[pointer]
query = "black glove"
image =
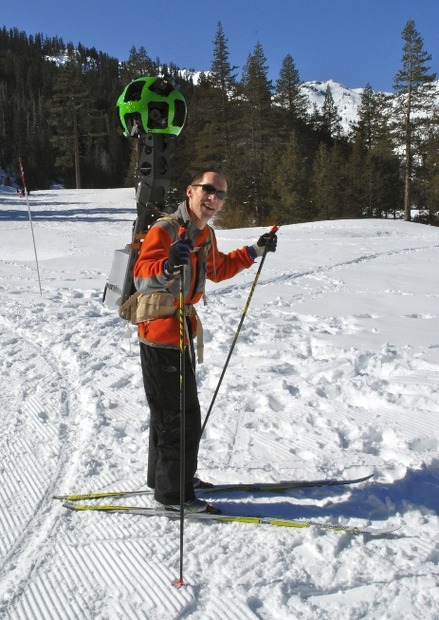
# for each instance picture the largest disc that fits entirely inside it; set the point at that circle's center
(268, 242)
(178, 255)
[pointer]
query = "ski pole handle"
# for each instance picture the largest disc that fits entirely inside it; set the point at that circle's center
(272, 232)
(178, 252)
(182, 230)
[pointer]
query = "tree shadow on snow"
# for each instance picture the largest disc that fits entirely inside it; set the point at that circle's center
(61, 211)
(64, 215)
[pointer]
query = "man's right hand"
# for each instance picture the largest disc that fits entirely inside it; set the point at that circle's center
(178, 255)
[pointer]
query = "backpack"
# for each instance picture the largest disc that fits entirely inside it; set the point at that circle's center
(119, 291)
(141, 307)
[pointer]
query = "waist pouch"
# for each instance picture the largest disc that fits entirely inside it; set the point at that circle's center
(141, 307)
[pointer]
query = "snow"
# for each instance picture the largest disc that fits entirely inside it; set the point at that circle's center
(346, 100)
(335, 374)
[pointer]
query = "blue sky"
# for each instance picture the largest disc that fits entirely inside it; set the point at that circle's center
(354, 42)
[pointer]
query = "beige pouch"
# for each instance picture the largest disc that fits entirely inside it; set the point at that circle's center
(155, 306)
(139, 307)
(128, 309)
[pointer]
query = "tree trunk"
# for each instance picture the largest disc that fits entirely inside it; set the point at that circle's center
(76, 150)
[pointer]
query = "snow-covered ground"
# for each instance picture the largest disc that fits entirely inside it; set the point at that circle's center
(335, 373)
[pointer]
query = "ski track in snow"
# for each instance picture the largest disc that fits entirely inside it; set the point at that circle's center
(311, 391)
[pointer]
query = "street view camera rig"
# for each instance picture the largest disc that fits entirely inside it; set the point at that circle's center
(152, 112)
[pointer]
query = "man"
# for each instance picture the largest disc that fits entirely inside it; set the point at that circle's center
(156, 277)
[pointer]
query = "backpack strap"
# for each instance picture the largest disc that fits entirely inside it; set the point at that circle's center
(191, 311)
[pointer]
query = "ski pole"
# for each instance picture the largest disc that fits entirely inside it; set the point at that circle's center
(182, 318)
(252, 290)
(30, 221)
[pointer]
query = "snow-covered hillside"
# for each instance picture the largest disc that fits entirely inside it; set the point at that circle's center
(346, 100)
(335, 374)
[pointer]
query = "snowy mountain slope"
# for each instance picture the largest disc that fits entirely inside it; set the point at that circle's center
(335, 374)
(346, 100)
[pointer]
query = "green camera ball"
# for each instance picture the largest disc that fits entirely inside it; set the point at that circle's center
(151, 105)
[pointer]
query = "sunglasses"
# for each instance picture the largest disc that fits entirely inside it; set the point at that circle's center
(210, 189)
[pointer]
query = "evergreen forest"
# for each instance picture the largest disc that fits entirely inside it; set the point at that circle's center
(284, 162)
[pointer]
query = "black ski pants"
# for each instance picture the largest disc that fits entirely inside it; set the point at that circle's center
(161, 379)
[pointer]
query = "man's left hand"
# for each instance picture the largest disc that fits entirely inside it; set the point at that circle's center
(267, 242)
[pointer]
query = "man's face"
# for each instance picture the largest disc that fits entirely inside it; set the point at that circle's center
(204, 203)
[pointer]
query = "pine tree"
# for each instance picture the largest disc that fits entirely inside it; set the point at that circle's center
(221, 71)
(139, 64)
(257, 89)
(374, 119)
(204, 130)
(329, 189)
(82, 117)
(432, 184)
(67, 118)
(358, 195)
(411, 83)
(331, 120)
(223, 79)
(291, 192)
(321, 182)
(288, 94)
(373, 183)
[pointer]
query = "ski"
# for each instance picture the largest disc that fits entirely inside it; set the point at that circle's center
(232, 518)
(259, 487)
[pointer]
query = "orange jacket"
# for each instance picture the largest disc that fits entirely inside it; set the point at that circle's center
(149, 274)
